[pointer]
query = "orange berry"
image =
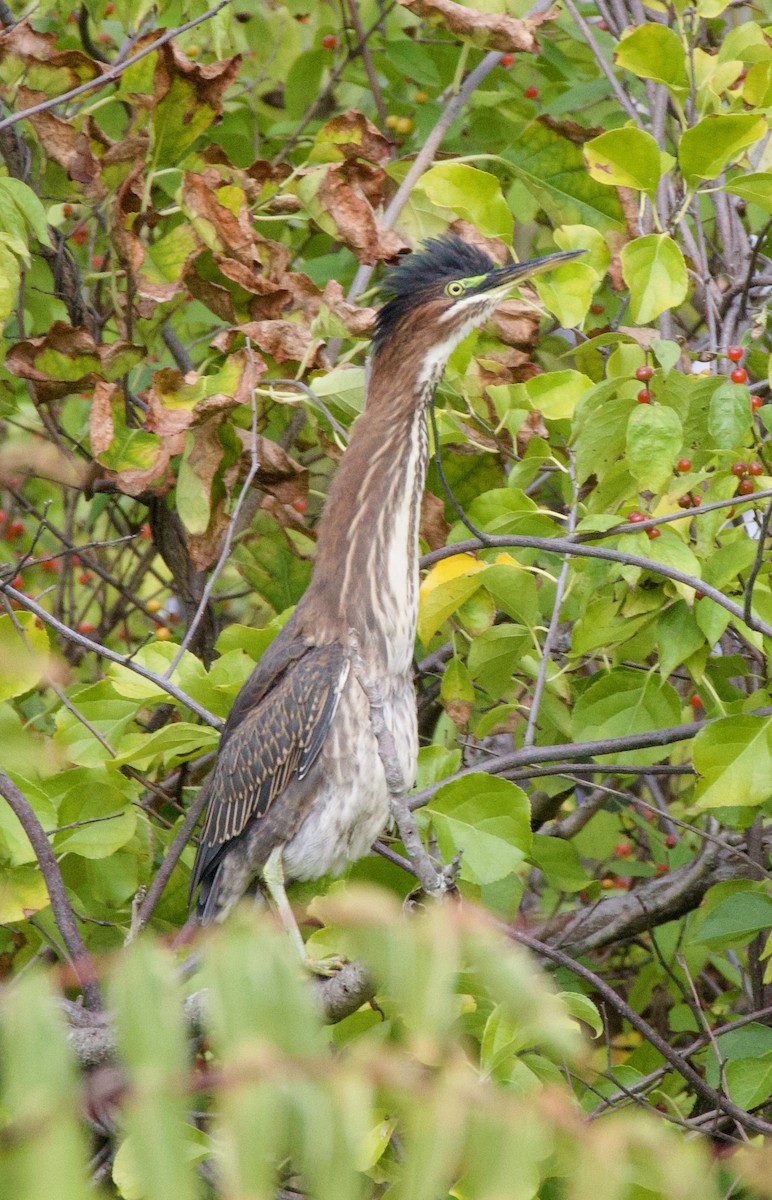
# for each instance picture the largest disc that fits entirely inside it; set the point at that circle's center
(162, 633)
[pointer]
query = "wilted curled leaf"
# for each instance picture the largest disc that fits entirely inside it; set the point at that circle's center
(357, 320)
(138, 461)
(67, 360)
(277, 474)
(351, 135)
(64, 144)
(491, 30)
(285, 341)
(45, 69)
(176, 401)
(349, 194)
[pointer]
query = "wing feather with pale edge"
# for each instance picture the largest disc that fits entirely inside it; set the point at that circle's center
(276, 740)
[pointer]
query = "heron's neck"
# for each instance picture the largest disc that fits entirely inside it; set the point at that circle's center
(366, 571)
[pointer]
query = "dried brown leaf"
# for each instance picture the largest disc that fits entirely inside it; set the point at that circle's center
(101, 427)
(494, 31)
(434, 529)
(349, 193)
(355, 137)
(285, 341)
(64, 144)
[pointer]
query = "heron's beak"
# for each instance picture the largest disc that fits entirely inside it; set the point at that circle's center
(499, 282)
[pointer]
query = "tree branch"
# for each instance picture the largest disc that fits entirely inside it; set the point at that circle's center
(57, 893)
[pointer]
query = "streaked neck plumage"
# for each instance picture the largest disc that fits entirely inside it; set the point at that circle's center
(366, 572)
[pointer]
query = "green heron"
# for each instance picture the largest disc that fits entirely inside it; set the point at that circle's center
(298, 789)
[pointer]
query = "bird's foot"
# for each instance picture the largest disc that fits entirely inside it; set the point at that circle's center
(326, 967)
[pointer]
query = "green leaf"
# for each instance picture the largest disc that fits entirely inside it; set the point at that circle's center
(10, 278)
(469, 193)
(553, 170)
(560, 862)
(567, 292)
(146, 998)
(23, 654)
(653, 268)
(555, 394)
(583, 1009)
(654, 438)
(654, 51)
(715, 142)
(734, 758)
(488, 819)
(584, 237)
(44, 1151)
(102, 817)
(494, 657)
(17, 196)
(23, 892)
(749, 1080)
(736, 919)
(730, 416)
(622, 702)
(625, 158)
(444, 590)
(666, 353)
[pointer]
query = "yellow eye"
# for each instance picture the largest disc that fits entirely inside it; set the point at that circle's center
(455, 289)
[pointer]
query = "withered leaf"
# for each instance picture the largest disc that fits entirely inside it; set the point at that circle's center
(64, 144)
(67, 360)
(285, 341)
(353, 136)
(494, 31)
(349, 193)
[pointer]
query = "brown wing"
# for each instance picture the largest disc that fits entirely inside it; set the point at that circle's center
(275, 740)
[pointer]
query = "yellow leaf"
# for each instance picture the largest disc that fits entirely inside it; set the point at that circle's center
(450, 568)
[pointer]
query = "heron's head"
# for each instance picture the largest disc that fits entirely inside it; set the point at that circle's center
(442, 292)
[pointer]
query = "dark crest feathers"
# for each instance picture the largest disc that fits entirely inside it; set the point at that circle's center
(420, 273)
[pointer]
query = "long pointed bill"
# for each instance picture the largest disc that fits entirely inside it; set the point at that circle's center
(500, 281)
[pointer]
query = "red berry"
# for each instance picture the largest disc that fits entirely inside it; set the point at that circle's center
(86, 627)
(644, 396)
(739, 469)
(79, 236)
(635, 517)
(662, 868)
(699, 595)
(696, 701)
(17, 581)
(15, 528)
(686, 501)
(739, 375)
(684, 464)
(300, 505)
(746, 487)
(671, 840)
(3, 516)
(51, 565)
(653, 533)
(531, 93)
(644, 374)
(696, 501)
(622, 850)
(597, 309)
(84, 577)
(145, 532)
(507, 60)
(67, 210)
(756, 402)
(735, 353)
(329, 41)
(755, 468)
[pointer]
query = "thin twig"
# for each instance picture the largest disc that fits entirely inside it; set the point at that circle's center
(676, 1060)
(163, 874)
(560, 585)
